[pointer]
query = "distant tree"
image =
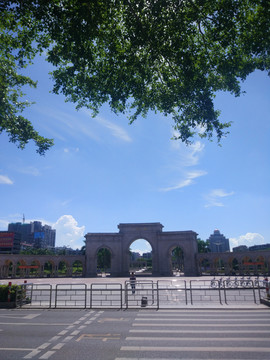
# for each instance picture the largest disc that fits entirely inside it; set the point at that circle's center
(37, 252)
(203, 246)
(104, 259)
(168, 56)
(83, 248)
(178, 257)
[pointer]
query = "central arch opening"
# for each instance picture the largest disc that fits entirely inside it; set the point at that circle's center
(140, 257)
(177, 261)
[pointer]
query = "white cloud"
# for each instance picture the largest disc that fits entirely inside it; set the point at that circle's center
(3, 224)
(249, 239)
(188, 180)
(188, 155)
(29, 170)
(194, 153)
(68, 124)
(184, 157)
(214, 197)
(139, 251)
(68, 233)
(71, 150)
(5, 180)
(116, 130)
(81, 125)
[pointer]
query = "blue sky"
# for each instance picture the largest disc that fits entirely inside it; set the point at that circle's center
(103, 171)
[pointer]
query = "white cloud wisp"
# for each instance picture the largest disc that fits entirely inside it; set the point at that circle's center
(189, 177)
(186, 157)
(214, 197)
(5, 180)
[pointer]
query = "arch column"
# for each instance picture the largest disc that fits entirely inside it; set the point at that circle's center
(91, 265)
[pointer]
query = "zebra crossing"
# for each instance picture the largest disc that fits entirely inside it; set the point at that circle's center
(197, 335)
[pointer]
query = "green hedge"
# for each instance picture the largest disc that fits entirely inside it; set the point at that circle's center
(4, 292)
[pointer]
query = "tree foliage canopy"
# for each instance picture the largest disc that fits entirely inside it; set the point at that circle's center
(203, 246)
(169, 56)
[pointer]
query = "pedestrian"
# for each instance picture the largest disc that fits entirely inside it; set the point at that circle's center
(132, 282)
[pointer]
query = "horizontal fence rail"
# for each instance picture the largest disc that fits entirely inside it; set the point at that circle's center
(149, 294)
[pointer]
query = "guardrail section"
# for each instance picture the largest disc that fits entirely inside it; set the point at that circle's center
(71, 295)
(201, 291)
(141, 294)
(172, 293)
(106, 295)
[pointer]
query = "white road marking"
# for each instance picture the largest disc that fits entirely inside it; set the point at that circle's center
(34, 324)
(63, 332)
(29, 316)
(66, 339)
(192, 339)
(184, 331)
(55, 338)
(16, 349)
(43, 346)
(47, 355)
(76, 332)
(58, 346)
(203, 325)
(209, 320)
(199, 315)
(166, 359)
(32, 354)
(194, 349)
(220, 311)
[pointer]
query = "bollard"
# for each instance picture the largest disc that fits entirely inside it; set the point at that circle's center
(266, 284)
(9, 290)
(144, 301)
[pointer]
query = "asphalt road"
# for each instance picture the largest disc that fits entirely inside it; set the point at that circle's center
(135, 334)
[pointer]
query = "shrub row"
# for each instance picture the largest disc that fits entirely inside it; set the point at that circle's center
(4, 292)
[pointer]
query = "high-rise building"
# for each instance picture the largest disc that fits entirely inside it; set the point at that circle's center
(35, 234)
(218, 242)
(9, 242)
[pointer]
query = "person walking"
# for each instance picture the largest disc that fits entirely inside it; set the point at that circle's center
(133, 282)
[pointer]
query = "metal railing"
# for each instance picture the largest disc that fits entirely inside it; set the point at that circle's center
(148, 294)
(106, 295)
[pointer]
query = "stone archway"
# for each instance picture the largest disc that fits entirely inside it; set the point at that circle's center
(161, 243)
